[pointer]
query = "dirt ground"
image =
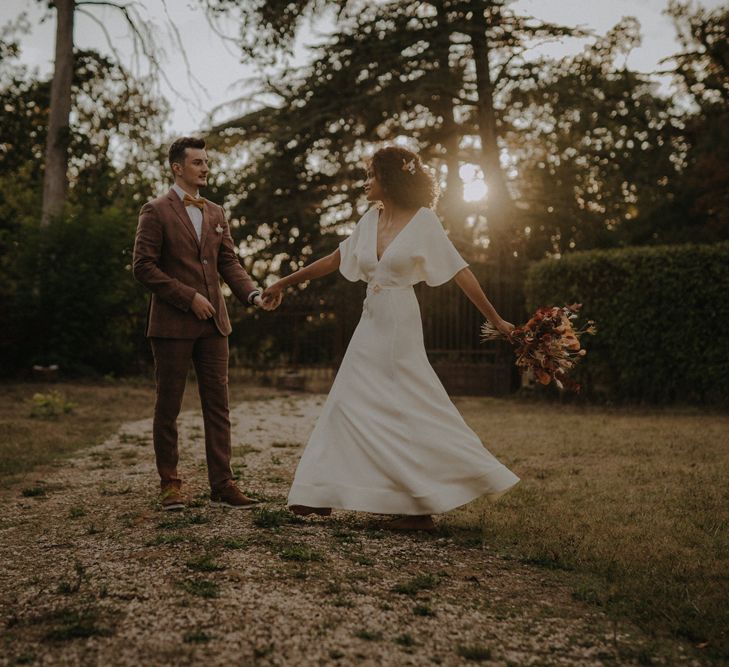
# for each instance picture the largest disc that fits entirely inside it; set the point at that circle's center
(94, 573)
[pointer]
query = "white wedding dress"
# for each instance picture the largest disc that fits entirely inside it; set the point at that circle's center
(389, 440)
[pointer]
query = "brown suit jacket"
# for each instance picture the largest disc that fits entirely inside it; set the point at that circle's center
(174, 265)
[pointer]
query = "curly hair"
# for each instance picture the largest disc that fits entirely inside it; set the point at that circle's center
(404, 178)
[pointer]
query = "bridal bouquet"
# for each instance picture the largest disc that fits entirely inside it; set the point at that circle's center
(548, 343)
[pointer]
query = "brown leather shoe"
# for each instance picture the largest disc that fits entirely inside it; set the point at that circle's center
(305, 510)
(170, 498)
(231, 496)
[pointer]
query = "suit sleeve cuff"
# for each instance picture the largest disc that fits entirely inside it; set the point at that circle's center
(253, 295)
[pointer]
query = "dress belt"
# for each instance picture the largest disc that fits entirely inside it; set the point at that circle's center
(375, 288)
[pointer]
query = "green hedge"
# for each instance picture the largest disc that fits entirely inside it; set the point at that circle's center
(662, 314)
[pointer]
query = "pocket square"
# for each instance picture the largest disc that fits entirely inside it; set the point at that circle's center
(219, 229)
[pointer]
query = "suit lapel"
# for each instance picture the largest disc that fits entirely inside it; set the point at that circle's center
(178, 208)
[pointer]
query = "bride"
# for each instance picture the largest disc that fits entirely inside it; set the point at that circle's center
(389, 440)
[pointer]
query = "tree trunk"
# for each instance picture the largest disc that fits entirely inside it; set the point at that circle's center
(500, 208)
(452, 200)
(55, 177)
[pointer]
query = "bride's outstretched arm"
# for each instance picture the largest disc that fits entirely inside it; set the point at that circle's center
(469, 284)
(321, 267)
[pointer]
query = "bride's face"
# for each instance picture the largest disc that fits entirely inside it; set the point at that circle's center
(373, 188)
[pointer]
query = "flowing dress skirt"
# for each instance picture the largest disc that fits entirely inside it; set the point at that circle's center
(389, 440)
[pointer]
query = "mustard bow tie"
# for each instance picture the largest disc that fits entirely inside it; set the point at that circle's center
(187, 200)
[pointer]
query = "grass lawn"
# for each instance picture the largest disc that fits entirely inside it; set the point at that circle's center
(28, 442)
(631, 503)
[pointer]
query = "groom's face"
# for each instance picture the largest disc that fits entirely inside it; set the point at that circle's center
(194, 168)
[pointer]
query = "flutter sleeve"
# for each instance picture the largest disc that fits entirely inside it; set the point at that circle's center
(439, 260)
(349, 252)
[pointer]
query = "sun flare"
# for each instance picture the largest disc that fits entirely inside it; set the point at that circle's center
(474, 191)
(474, 186)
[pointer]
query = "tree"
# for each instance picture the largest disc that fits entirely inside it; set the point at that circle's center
(595, 146)
(55, 181)
(86, 312)
(702, 67)
(433, 71)
(701, 71)
(579, 152)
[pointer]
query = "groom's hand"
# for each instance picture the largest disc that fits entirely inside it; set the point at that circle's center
(202, 308)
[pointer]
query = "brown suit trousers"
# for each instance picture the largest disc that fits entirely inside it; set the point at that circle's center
(209, 354)
(171, 261)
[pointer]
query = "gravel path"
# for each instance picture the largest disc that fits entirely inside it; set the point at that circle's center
(94, 573)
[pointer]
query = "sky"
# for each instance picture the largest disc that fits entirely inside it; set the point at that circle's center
(216, 65)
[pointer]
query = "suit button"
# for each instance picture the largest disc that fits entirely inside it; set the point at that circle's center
(205, 261)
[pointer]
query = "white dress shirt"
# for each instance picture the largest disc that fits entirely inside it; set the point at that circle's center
(193, 212)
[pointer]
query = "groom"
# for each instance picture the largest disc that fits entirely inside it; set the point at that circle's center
(181, 249)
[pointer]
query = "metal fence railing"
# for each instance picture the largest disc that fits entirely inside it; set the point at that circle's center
(300, 345)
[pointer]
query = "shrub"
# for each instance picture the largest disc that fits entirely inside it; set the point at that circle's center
(50, 405)
(74, 301)
(661, 313)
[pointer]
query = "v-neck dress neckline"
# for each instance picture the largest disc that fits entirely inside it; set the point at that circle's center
(397, 236)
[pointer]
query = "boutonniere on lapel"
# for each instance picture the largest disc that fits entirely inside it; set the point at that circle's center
(219, 229)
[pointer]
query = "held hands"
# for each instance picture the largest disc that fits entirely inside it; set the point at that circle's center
(272, 296)
(268, 303)
(202, 308)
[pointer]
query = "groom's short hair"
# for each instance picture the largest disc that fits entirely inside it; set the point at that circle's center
(178, 147)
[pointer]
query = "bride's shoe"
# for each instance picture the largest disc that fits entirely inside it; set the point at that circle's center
(424, 522)
(305, 510)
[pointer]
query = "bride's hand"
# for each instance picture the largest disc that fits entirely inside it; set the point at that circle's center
(504, 327)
